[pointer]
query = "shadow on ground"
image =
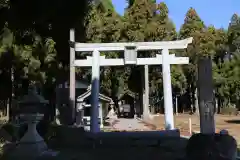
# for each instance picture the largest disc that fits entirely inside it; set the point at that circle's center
(76, 144)
(235, 121)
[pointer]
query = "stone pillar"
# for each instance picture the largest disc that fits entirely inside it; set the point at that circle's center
(167, 90)
(206, 96)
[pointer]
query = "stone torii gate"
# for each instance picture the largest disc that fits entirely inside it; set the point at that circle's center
(130, 58)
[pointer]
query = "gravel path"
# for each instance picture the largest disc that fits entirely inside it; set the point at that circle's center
(130, 125)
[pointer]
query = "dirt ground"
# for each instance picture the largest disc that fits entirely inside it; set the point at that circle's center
(230, 123)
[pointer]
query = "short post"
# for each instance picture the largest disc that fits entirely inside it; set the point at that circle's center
(94, 122)
(167, 90)
(101, 115)
(79, 116)
(190, 125)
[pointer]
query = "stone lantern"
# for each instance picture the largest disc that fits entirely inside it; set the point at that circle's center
(31, 112)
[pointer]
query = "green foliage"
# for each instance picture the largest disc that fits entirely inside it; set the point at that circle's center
(105, 26)
(179, 81)
(34, 45)
(106, 5)
(136, 20)
(145, 20)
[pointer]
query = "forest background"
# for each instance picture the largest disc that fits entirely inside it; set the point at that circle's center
(34, 48)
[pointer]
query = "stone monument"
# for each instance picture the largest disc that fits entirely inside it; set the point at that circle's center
(209, 145)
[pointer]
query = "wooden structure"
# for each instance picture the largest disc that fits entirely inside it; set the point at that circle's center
(62, 100)
(84, 108)
(127, 104)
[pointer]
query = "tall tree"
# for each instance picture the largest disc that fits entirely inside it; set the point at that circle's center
(193, 27)
(234, 34)
(105, 26)
(136, 20)
(35, 40)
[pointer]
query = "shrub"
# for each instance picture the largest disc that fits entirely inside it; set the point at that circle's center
(229, 110)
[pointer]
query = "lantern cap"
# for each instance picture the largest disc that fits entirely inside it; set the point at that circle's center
(32, 97)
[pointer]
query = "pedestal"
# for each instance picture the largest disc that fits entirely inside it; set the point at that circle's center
(31, 144)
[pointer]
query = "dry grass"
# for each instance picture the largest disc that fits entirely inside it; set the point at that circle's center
(230, 123)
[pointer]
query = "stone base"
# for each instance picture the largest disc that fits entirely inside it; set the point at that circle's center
(28, 150)
(13, 152)
(48, 155)
(211, 146)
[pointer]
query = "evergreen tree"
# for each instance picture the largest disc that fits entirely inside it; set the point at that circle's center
(105, 26)
(193, 27)
(34, 43)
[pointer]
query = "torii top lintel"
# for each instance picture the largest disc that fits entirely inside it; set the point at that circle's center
(157, 45)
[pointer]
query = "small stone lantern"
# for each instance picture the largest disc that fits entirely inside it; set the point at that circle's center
(31, 112)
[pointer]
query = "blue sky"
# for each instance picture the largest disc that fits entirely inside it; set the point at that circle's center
(215, 12)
